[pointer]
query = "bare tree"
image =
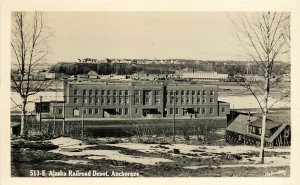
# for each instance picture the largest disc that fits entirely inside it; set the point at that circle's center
(29, 38)
(265, 39)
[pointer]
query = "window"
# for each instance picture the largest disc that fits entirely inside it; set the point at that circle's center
(211, 100)
(193, 93)
(96, 92)
(177, 100)
(59, 111)
(120, 111)
(147, 93)
(182, 92)
(75, 100)
(203, 100)
(198, 92)
(203, 110)
(126, 92)
(97, 100)
(102, 100)
(198, 111)
(223, 109)
(136, 93)
(108, 100)
(136, 110)
(188, 100)
(121, 100)
(84, 100)
(198, 100)
(108, 92)
(126, 111)
(75, 92)
(120, 92)
(114, 100)
(177, 92)
(96, 111)
(171, 100)
(75, 112)
(126, 100)
(171, 110)
(84, 111)
(212, 92)
(176, 111)
(157, 100)
(211, 110)
(157, 92)
(115, 92)
(182, 100)
(90, 100)
(136, 100)
(90, 92)
(171, 93)
(102, 92)
(90, 111)
(187, 92)
(253, 129)
(147, 100)
(203, 92)
(84, 92)
(259, 130)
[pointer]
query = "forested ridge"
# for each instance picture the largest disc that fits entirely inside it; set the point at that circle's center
(128, 69)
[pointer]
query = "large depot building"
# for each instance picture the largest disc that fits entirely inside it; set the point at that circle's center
(103, 100)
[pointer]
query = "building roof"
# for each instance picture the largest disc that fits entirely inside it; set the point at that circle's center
(269, 125)
(92, 73)
(239, 125)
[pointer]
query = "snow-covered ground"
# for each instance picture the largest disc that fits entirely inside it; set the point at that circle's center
(68, 143)
(190, 151)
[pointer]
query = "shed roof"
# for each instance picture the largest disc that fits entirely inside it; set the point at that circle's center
(269, 125)
(239, 125)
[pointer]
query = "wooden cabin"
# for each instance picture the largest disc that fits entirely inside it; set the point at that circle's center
(246, 130)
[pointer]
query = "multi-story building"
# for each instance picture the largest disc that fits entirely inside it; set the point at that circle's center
(103, 100)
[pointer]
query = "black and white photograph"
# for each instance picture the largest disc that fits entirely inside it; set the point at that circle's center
(134, 94)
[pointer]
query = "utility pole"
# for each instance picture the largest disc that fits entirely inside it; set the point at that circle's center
(54, 113)
(63, 124)
(82, 121)
(174, 117)
(40, 113)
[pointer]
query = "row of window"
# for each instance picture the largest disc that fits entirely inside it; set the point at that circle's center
(146, 100)
(119, 111)
(103, 100)
(196, 110)
(190, 100)
(103, 92)
(188, 92)
(138, 92)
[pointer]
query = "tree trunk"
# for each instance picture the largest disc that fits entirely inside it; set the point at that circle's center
(264, 116)
(23, 115)
(262, 142)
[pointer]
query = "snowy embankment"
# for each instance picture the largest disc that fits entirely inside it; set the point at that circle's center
(67, 144)
(72, 147)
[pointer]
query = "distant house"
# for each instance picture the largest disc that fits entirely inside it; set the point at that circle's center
(92, 74)
(247, 130)
(39, 77)
(50, 76)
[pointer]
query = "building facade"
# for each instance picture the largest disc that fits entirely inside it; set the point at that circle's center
(96, 100)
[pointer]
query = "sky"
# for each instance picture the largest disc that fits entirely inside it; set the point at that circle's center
(160, 35)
